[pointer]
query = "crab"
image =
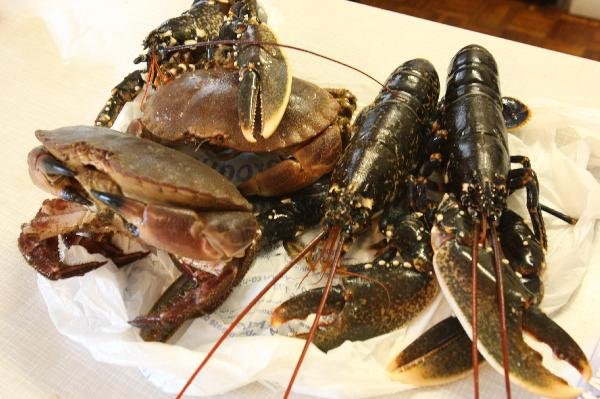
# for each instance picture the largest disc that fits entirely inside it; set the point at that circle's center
(197, 111)
(112, 183)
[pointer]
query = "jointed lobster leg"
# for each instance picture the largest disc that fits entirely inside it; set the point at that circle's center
(121, 94)
(526, 177)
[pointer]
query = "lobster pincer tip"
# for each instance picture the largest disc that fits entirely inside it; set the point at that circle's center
(439, 356)
(302, 305)
(526, 368)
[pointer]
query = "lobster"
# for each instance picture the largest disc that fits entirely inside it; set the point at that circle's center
(371, 173)
(473, 142)
(264, 75)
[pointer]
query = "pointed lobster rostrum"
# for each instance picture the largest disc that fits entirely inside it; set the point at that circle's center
(442, 354)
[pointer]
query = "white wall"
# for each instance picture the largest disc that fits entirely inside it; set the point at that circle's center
(587, 8)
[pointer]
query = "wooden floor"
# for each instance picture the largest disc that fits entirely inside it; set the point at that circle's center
(524, 21)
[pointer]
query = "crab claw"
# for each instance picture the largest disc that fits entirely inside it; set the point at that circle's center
(191, 296)
(265, 83)
(373, 299)
(211, 236)
(59, 220)
(452, 263)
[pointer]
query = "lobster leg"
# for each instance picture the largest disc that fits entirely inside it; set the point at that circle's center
(122, 93)
(526, 177)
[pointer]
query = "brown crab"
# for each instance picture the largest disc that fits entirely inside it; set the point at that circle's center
(199, 110)
(110, 183)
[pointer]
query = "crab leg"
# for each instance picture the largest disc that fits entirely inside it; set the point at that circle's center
(189, 297)
(39, 240)
(51, 175)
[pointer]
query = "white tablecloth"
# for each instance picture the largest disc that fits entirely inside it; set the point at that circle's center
(47, 83)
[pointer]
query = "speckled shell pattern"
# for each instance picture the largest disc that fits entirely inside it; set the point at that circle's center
(385, 147)
(478, 158)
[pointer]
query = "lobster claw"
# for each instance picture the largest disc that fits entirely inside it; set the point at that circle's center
(265, 77)
(373, 299)
(265, 83)
(452, 263)
(441, 355)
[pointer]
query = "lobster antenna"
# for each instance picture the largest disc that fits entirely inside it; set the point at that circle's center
(501, 309)
(149, 79)
(247, 309)
(265, 43)
(313, 328)
(474, 352)
(329, 247)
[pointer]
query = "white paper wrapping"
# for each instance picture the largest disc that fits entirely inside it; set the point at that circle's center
(93, 310)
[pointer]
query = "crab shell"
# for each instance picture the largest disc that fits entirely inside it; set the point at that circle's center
(201, 107)
(175, 202)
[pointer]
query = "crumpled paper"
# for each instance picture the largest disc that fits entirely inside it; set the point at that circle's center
(562, 142)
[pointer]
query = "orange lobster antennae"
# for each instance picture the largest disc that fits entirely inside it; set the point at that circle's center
(153, 71)
(247, 309)
(149, 80)
(344, 272)
(474, 352)
(501, 308)
(315, 324)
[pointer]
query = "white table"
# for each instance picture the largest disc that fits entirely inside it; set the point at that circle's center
(40, 91)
